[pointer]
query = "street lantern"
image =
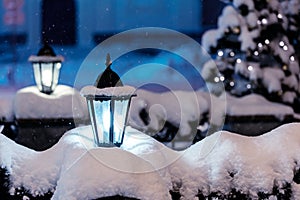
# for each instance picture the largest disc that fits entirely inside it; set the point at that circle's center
(108, 106)
(46, 68)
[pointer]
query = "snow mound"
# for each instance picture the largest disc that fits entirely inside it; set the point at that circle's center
(75, 169)
(256, 105)
(247, 164)
(145, 169)
(64, 102)
(177, 107)
(119, 174)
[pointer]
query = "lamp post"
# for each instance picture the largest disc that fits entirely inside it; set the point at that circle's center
(108, 106)
(46, 67)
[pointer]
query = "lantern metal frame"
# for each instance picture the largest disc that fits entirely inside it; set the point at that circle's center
(110, 137)
(46, 68)
(40, 76)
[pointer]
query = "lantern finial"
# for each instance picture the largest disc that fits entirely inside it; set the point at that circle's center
(108, 60)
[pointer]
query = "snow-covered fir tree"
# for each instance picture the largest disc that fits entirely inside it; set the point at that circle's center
(253, 50)
(291, 9)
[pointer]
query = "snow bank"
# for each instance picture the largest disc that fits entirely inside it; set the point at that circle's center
(256, 105)
(75, 169)
(177, 107)
(37, 172)
(64, 102)
(219, 163)
(121, 173)
(247, 164)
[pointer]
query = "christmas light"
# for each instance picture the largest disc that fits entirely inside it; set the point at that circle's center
(258, 22)
(292, 58)
(267, 41)
(248, 86)
(284, 67)
(231, 83)
(236, 30)
(256, 53)
(264, 21)
(285, 47)
(217, 79)
(220, 53)
(222, 78)
(279, 16)
(260, 45)
(250, 68)
(281, 43)
(238, 60)
(232, 54)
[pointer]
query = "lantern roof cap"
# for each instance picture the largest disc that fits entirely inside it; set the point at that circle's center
(46, 54)
(46, 50)
(109, 91)
(108, 78)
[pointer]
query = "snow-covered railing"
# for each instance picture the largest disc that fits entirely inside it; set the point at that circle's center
(223, 165)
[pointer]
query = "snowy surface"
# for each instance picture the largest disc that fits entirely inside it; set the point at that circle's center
(180, 108)
(253, 105)
(110, 91)
(75, 169)
(78, 170)
(6, 106)
(256, 164)
(64, 102)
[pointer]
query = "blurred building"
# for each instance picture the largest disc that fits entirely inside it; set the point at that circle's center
(74, 27)
(82, 22)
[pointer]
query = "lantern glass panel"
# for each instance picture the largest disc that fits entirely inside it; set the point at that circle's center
(102, 114)
(37, 75)
(56, 71)
(46, 75)
(120, 114)
(108, 119)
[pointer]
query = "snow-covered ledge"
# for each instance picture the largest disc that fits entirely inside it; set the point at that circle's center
(256, 105)
(221, 166)
(64, 102)
(42, 119)
(254, 115)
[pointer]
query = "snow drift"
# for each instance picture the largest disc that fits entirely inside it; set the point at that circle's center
(221, 165)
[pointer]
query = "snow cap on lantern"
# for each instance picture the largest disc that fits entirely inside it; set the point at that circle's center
(46, 68)
(108, 105)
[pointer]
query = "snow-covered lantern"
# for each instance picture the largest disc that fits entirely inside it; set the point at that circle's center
(46, 68)
(108, 105)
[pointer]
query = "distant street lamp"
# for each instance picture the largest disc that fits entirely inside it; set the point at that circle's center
(108, 106)
(46, 68)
